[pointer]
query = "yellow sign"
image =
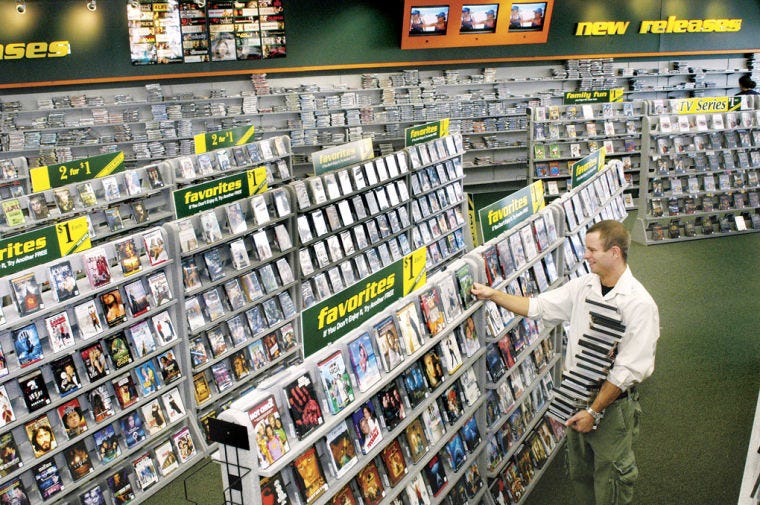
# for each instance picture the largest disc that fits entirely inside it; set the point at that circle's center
(415, 270)
(707, 104)
(658, 26)
(73, 236)
(257, 180)
(35, 50)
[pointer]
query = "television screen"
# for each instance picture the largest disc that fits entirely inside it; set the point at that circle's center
(527, 17)
(479, 18)
(429, 20)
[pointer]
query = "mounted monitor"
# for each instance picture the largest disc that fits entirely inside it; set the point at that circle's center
(428, 20)
(479, 18)
(431, 24)
(527, 17)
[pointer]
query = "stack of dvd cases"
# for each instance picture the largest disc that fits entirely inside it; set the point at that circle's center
(598, 346)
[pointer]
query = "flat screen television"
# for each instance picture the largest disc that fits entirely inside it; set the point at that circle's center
(429, 20)
(527, 17)
(479, 18)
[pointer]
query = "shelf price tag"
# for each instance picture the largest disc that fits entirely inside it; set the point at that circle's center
(587, 167)
(510, 211)
(415, 270)
(205, 142)
(43, 245)
(85, 169)
(209, 195)
(426, 132)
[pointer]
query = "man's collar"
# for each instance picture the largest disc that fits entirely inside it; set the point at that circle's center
(623, 285)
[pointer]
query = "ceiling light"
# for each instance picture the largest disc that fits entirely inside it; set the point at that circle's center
(92, 6)
(21, 6)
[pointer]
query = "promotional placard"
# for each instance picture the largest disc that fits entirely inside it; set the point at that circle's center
(426, 132)
(587, 167)
(43, 245)
(341, 156)
(510, 211)
(85, 169)
(335, 317)
(596, 96)
(205, 142)
(706, 104)
(209, 195)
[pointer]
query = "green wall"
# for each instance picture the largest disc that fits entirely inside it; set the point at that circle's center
(363, 34)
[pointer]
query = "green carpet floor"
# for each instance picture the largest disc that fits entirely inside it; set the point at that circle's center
(699, 404)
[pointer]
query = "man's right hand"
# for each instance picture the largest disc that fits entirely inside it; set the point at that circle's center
(482, 292)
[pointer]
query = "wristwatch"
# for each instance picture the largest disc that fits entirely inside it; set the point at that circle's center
(596, 415)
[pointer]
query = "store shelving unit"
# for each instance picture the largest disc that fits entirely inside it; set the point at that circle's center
(700, 176)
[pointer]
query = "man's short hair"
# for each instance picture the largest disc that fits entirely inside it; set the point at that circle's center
(612, 233)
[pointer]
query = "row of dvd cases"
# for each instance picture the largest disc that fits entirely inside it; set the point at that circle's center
(440, 398)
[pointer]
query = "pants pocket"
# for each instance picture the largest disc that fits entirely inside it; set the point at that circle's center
(636, 421)
(623, 479)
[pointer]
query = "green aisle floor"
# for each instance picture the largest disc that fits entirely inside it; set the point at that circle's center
(698, 405)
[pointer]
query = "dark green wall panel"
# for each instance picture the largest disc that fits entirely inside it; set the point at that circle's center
(357, 34)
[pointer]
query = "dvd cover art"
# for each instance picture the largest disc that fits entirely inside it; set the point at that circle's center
(433, 368)
(364, 361)
(35, 392)
(308, 475)
(78, 460)
(410, 327)
(336, 382)
(303, 405)
(271, 439)
(432, 310)
(93, 496)
(166, 459)
(391, 405)
(341, 449)
(436, 475)
(27, 293)
(41, 435)
(370, 484)
(72, 418)
(415, 384)
(367, 427)
(88, 319)
(132, 429)
(48, 480)
(100, 403)
(26, 341)
(389, 343)
(60, 334)
(63, 281)
(455, 452)
(107, 444)
(395, 465)
(120, 487)
(113, 307)
(145, 470)
(118, 348)
(416, 439)
(65, 375)
(10, 458)
(433, 421)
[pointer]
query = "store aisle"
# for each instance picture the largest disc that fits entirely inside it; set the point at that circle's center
(698, 405)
